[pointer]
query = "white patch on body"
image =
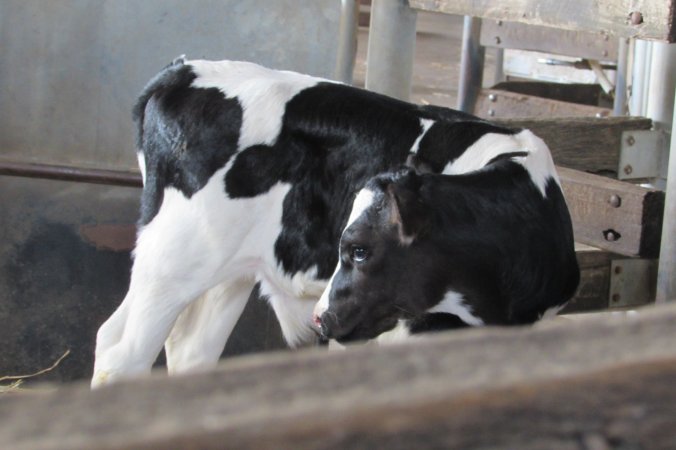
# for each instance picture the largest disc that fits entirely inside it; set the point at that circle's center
(453, 303)
(292, 299)
(538, 163)
(263, 94)
(425, 125)
(550, 313)
(201, 331)
(399, 333)
(142, 165)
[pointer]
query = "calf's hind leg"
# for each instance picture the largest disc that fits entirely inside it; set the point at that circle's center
(202, 330)
(173, 266)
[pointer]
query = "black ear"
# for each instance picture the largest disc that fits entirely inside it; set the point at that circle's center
(416, 163)
(408, 210)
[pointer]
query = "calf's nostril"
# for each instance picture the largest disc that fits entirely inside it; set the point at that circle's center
(317, 320)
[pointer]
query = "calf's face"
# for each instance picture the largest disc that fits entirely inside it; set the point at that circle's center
(381, 269)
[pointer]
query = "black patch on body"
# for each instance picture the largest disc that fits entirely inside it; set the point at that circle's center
(186, 134)
(433, 322)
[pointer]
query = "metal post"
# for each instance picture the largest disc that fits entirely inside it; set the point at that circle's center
(640, 75)
(471, 65)
(666, 272)
(620, 102)
(661, 86)
(347, 40)
(389, 61)
(499, 65)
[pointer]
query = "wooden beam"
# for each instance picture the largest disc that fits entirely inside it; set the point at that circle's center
(613, 215)
(494, 103)
(645, 19)
(523, 388)
(586, 143)
(592, 293)
(590, 45)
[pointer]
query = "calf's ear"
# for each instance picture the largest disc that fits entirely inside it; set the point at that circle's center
(407, 209)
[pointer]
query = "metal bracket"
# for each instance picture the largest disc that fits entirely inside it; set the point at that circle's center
(632, 282)
(643, 154)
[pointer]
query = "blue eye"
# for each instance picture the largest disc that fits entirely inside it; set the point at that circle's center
(358, 254)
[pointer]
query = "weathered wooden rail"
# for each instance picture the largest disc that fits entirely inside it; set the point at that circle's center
(603, 382)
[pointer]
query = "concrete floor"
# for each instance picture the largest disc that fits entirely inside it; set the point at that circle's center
(436, 62)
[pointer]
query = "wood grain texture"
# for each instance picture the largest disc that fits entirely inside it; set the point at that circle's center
(593, 292)
(584, 143)
(589, 45)
(494, 104)
(635, 225)
(608, 16)
(561, 384)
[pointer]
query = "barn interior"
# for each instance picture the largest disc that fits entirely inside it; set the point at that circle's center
(595, 80)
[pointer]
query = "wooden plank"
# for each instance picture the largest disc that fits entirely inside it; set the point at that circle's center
(590, 45)
(510, 388)
(494, 104)
(592, 293)
(589, 143)
(645, 19)
(613, 215)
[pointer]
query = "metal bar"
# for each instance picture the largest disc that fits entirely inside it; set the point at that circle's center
(391, 45)
(499, 65)
(639, 78)
(69, 173)
(471, 65)
(620, 101)
(666, 272)
(347, 40)
(662, 84)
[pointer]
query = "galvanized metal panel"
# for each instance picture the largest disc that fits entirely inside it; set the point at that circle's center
(71, 69)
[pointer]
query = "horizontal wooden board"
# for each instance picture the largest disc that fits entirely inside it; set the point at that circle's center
(494, 104)
(613, 215)
(509, 388)
(590, 44)
(645, 19)
(589, 144)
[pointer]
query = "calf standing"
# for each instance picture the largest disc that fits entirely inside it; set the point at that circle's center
(249, 176)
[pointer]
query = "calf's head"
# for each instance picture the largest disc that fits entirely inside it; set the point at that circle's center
(384, 268)
(488, 247)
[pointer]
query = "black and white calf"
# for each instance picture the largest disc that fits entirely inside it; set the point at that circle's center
(250, 176)
(429, 252)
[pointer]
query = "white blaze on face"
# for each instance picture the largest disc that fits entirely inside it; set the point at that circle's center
(361, 203)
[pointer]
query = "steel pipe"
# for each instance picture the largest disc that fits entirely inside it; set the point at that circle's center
(620, 101)
(70, 173)
(666, 272)
(347, 40)
(471, 65)
(389, 60)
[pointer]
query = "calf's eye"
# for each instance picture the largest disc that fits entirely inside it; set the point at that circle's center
(358, 254)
